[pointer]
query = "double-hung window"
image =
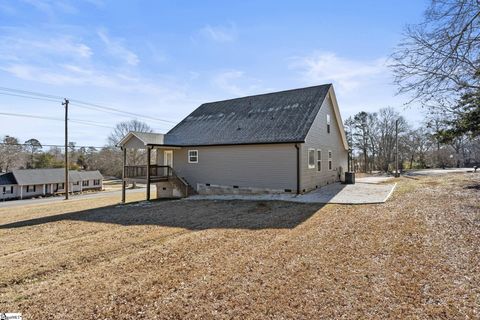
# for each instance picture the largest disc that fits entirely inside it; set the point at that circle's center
(328, 123)
(329, 160)
(311, 158)
(319, 160)
(192, 156)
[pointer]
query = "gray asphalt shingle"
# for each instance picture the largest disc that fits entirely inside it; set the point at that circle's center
(284, 116)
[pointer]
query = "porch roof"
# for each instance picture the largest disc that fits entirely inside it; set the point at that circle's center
(146, 138)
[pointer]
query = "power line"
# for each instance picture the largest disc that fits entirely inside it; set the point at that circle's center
(105, 109)
(31, 93)
(49, 145)
(78, 103)
(28, 97)
(32, 116)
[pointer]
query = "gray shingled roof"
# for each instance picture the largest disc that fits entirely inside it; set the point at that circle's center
(277, 117)
(7, 178)
(149, 138)
(46, 176)
(90, 175)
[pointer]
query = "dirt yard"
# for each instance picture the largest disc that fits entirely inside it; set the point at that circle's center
(415, 256)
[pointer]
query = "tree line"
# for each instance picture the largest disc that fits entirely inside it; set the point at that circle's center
(31, 154)
(372, 137)
(437, 64)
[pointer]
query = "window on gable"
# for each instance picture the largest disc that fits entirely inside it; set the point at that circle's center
(328, 123)
(319, 160)
(311, 158)
(192, 156)
(329, 160)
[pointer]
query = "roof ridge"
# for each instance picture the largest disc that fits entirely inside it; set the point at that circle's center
(268, 93)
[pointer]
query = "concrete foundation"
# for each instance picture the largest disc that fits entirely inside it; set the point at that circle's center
(167, 190)
(205, 189)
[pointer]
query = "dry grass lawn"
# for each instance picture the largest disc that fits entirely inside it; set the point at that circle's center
(416, 256)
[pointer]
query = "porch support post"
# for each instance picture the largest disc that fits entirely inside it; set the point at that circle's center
(124, 184)
(149, 155)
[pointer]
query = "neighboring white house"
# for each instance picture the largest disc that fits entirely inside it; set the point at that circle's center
(290, 141)
(8, 186)
(27, 183)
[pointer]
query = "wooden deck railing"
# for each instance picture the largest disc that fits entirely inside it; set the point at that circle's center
(157, 173)
(140, 172)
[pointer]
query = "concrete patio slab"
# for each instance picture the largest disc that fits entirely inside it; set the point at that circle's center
(359, 193)
(436, 172)
(373, 179)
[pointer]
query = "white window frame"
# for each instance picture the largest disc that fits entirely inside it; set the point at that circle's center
(330, 160)
(190, 156)
(319, 160)
(311, 165)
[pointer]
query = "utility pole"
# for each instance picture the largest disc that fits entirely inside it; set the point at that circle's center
(65, 103)
(396, 149)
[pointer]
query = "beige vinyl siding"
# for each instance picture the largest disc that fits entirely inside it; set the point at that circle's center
(134, 143)
(269, 166)
(318, 139)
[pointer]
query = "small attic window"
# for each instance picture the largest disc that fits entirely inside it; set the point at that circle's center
(328, 123)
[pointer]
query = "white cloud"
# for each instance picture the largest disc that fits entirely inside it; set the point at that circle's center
(235, 82)
(116, 48)
(219, 33)
(50, 7)
(347, 74)
(81, 75)
(27, 47)
(360, 85)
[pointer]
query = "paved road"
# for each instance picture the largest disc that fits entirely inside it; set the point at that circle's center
(17, 203)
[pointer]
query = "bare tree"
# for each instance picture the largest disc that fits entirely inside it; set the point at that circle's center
(440, 56)
(386, 135)
(32, 146)
(10, 153)
(123, 128)
(361, 136)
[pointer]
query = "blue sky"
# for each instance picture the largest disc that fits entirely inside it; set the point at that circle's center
(164, 58)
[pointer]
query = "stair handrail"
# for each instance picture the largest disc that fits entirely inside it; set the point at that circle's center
(175, 176)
